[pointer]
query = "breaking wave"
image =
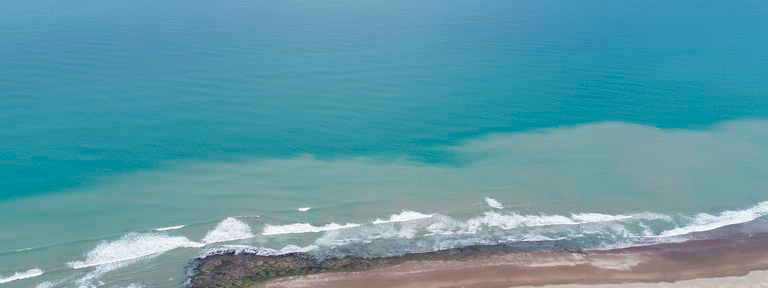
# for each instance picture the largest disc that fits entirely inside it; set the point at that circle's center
(229, 229)
(493, 203)
(402, 217)
(170, 228)
(297, 228)
(132, 246)
(21, 275)
(705, 222)
(493, 228)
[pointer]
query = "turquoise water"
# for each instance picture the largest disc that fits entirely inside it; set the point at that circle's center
(120, 117)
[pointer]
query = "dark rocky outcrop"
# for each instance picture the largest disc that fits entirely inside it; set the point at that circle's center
(231, 269)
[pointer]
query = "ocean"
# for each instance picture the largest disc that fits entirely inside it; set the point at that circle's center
(136, 135)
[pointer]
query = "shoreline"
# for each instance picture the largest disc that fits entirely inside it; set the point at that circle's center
(498, 266)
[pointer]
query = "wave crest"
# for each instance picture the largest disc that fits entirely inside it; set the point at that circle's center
(493, 203)
(705, 222)
(229, 229)
(298, 228)
(34, 272)
(402, 217)
(132, 246)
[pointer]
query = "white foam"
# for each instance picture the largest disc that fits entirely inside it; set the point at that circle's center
(473, 231)
(445, 228)
(245, 249)
(403, 216)
(229, 229)
(34, 272)
(598, 217)
(298, 228)
(634, 228)
(132, 246)
(170, 228)
(383, 230)
(705, 222)
(296, 249)
(303, 209)
(514, 220)
(47, 284)
(493, 203)
(87, 280)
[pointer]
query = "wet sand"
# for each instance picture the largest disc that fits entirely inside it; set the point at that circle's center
(665, 263)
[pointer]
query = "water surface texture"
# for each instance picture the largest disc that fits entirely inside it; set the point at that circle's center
(137, 134)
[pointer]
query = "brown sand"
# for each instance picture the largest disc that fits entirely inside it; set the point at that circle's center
(658, 263)
(755, 279)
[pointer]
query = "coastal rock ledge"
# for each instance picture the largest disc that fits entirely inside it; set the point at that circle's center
(236, 269)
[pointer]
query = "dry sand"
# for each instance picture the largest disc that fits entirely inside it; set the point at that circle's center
(755, 279)
(658, 264)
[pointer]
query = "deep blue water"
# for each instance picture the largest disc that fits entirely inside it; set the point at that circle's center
(94, 88)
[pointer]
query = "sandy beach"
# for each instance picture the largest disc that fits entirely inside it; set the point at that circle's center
(755, 279)
(701, 263)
